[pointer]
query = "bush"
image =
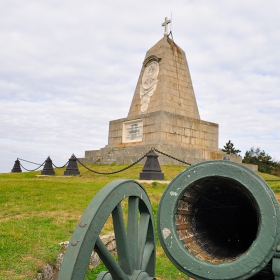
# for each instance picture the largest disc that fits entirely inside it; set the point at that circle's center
(261, 158)
(276, 169)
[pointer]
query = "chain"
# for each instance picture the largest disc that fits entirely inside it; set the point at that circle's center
(39, 164)
(61, 166)
(29, 161)
(97, 172)
(171, 157)
(108, 173)
(33, 169)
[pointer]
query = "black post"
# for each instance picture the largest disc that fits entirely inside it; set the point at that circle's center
(16, 167)
(151, 170)
(72, 167)
(48, 167)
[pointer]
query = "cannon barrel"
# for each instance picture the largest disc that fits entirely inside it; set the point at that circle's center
(219, 220)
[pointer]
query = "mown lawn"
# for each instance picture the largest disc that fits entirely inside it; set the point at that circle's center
(39, 212)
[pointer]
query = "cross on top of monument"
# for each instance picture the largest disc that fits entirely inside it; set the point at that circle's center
(165, 26)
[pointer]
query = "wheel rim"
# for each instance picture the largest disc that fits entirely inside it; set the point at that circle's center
(135, 244)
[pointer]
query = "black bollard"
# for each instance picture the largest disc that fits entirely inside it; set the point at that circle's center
(72, 167)
(48, 167)
(16, 167)
(151, 170)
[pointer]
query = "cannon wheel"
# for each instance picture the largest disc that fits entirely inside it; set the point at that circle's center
(135, 240)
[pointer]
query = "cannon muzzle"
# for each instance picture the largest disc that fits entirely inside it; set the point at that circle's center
(219, 220)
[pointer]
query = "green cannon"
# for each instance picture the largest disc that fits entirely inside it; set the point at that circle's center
(216, 220)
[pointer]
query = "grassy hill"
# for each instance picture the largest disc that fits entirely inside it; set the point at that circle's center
(39, 212)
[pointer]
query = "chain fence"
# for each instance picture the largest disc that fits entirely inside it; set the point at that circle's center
(32, 169)
(104, 173)
(40, 165)
(30, 161)
(113, 172)
(172, 157)
(123, 169)
(61, 166)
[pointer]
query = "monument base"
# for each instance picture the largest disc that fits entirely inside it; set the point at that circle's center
(130, 154)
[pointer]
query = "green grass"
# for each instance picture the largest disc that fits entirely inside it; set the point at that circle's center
(39, 212)
(269, 177)
(272, 181)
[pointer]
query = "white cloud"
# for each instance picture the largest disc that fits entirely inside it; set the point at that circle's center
(67, 68)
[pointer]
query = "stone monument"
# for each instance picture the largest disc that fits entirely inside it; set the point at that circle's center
(163, 114)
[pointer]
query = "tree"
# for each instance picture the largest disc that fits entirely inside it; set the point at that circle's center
(229, 149)
(261, 158)
(276, 169)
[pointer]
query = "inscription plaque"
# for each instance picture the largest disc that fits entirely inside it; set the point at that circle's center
(132, 131)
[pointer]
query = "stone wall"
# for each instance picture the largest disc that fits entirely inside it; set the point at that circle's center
(253, 167)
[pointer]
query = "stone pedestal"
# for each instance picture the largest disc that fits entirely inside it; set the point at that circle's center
(163, 127)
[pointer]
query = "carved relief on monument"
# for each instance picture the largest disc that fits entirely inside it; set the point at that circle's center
(149, 84)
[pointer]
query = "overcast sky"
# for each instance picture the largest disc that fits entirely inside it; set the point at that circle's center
(69, 67)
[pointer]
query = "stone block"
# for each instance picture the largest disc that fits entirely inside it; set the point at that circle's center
(156, 127)
(187, 132)
(201, 134)
(215, 137)
(179, 111)
(207, 143)
(185, 139)
(155, 102)
(148, 137)
(172, 137)
(179, 122)
(164, 72)
(208, 136)
(181, 77)
(199, 142)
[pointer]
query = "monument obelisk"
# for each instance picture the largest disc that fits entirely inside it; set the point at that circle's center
(163, 114)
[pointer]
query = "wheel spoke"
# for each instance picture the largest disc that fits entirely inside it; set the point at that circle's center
(143, 230)
(132, 229)
(131, 235)
(121, 240)
(109, 260)
(148, 251)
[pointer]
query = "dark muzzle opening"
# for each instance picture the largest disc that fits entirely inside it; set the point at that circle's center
(217, 219)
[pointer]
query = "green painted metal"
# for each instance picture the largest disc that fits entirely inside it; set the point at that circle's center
(219, 220)
(135, 241)
(276, 263)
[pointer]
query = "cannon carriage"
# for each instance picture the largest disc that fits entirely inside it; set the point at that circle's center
(216, 220)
